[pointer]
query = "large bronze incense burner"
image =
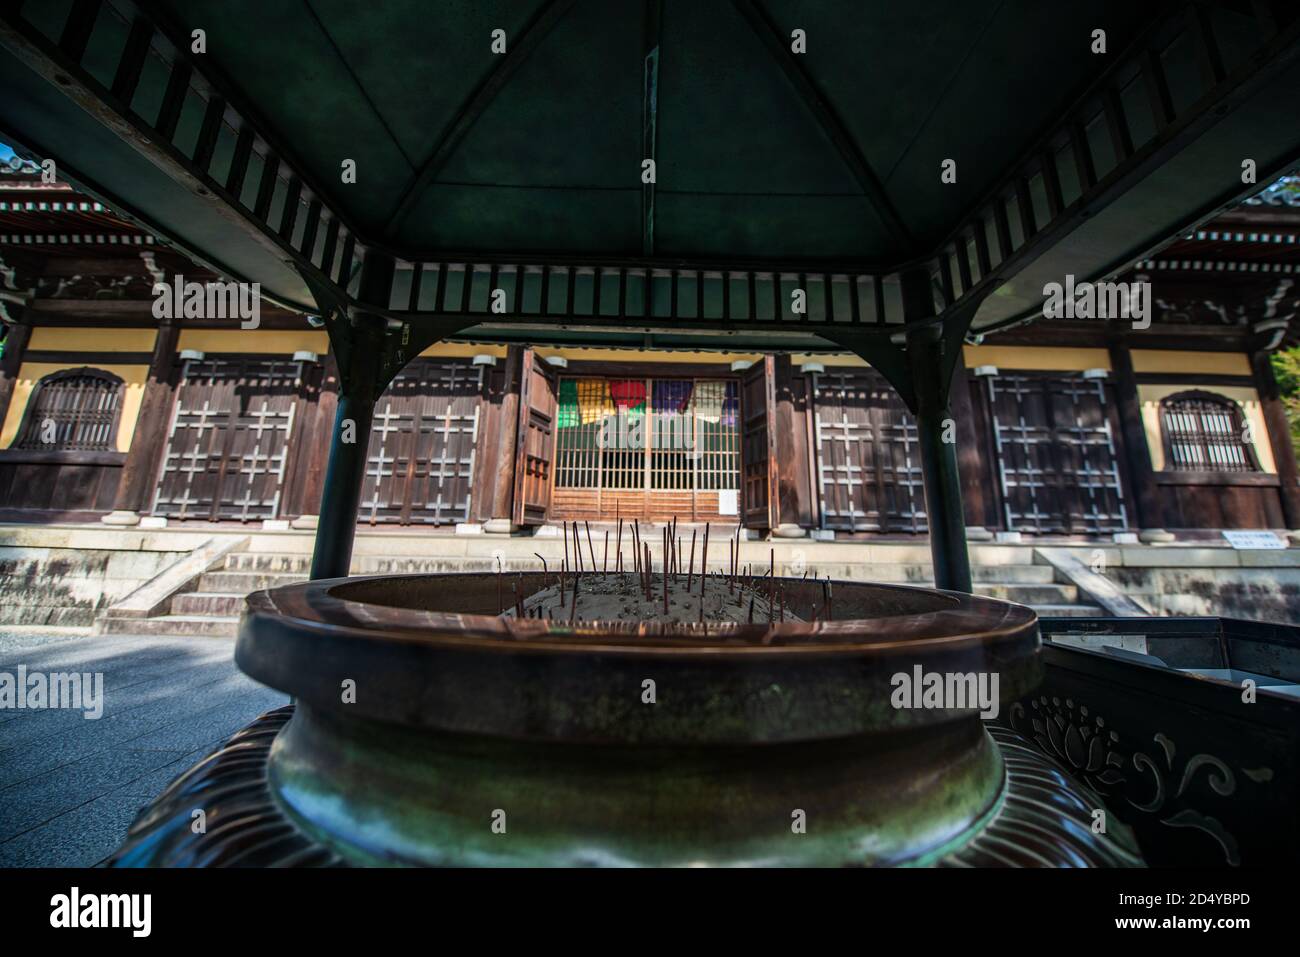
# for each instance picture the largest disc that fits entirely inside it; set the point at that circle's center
(432, 730)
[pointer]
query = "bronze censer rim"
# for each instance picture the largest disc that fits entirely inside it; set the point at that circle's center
(430, 651)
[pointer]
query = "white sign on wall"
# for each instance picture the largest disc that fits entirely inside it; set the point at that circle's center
(1248, 540)
(728, 502)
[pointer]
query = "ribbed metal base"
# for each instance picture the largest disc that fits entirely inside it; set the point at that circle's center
(1043, 819)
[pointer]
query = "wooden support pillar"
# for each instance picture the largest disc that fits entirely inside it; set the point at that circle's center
(506, 462)
(976, 472)
(1133, 438)
(136, 486)
(790, 463)
(934, 424)
(359, 386)
(15, 346)
(1279, 437)
(319, 405)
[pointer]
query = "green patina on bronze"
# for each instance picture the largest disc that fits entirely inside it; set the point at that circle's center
(382, 795)
(460, 713)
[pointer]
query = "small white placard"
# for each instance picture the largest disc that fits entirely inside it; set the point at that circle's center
(1246, 540)
(728, 502)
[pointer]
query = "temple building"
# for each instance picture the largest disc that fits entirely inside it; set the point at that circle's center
(1079, 428)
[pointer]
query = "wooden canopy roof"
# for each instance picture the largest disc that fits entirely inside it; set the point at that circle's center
(776, 169)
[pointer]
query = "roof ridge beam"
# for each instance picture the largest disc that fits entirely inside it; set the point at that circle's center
(524, 44)
(653, 34)
(767, 31)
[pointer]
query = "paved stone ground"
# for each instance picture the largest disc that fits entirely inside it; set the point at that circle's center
(70, 787)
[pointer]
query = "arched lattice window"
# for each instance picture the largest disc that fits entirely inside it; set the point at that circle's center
(77, 408)
(1204, 432)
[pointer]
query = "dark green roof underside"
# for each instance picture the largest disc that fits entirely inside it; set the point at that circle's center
(553, 163)
(747, 170)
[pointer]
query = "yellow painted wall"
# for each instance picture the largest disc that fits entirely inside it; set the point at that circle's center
(1199, 363)
(1037, 358)
(255, 341)
(639, 355)
(29, 373)
(1245, 396)
(97, 339)
(464, 350)
(839, 359)
(1067, 359)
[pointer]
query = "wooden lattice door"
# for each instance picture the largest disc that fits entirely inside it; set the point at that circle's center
(1056, 453)
(535, 451)
(868, 460)
(228, 443)
(420, 464)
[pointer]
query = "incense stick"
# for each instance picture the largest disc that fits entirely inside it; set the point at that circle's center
(704, 558)
(665, 573)
(690, 569)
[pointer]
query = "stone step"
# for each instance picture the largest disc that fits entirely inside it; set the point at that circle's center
(200, 626)
(1067, 611)
(1031, 594)
(474, 552)
(1014, 574)
(216, 604)
(392, 545)
(243, 582)
(285, 563)
(923, 574)
(857, 571)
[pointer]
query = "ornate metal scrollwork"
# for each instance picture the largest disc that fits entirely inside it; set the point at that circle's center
(1074, 734)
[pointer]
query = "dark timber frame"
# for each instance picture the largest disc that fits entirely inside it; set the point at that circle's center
(908, 318)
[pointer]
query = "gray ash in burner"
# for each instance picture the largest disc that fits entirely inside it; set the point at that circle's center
(622, 597)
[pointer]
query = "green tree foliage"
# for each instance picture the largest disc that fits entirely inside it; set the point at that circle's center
(1286, 367)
